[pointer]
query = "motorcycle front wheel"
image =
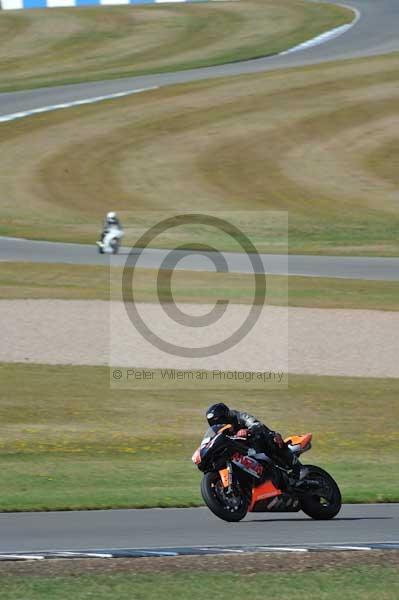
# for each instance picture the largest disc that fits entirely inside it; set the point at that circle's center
(230, 508)
(324, 502)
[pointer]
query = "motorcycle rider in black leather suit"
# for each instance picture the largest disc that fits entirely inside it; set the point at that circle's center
(262, 438)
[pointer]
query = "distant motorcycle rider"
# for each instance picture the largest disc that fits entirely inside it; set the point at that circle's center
(111, 220)
(262, 438)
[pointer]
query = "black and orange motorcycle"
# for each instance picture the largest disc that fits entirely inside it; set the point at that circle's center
(238, 479)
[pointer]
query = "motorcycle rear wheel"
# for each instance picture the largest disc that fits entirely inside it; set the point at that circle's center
(232, 510)
(115, 245)
(325, 504)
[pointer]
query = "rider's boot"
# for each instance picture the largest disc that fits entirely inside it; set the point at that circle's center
(295, 481)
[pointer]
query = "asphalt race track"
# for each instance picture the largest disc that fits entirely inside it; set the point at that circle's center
(155, 529)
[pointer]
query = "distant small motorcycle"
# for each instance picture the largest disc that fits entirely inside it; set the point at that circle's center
(111, 241)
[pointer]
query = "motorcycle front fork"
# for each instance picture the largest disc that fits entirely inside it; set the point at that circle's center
(229, 489)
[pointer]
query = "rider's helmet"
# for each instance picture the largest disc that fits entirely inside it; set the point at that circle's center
(111, 217)
(218, 414)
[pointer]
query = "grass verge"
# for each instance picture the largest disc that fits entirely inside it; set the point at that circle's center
(73, 282)
(69, 441)
(359, 582)
(96, 43)
(308, 142)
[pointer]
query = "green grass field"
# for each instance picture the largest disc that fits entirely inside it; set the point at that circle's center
(362, 583)
(69, 441)
(96, 43)
(76, 282)
(318, 143)
(313, 142)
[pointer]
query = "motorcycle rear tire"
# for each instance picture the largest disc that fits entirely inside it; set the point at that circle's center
(310, 502)
(215, 505)
(115, 246)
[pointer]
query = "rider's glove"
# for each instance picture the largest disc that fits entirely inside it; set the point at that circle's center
(278, 440)
(196, 457)
(242, 433)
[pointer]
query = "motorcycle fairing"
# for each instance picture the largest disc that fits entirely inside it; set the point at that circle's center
(208, 442)
(248, 464)
(262, 492)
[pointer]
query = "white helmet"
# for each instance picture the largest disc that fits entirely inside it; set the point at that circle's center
(111, 216)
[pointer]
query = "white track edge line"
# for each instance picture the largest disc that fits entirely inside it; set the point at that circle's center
(21, 557)
(198, 547)
(52, 107)
(327, 35)
(281, 549)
